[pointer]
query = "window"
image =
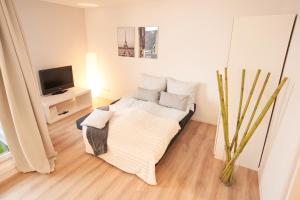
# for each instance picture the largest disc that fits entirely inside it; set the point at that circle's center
(3, 143)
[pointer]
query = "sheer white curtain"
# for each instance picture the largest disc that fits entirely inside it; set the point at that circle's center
(22, 119)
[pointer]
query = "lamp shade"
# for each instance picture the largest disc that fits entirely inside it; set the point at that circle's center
(93, 74)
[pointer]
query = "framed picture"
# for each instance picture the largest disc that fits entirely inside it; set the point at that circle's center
(148, 41)
(126, 41)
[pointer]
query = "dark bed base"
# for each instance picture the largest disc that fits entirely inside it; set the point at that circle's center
(182, 124)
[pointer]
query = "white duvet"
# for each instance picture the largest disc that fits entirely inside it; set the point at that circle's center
(139, 133)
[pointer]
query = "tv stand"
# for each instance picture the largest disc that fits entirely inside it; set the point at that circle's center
(59, 92)
(59, 106)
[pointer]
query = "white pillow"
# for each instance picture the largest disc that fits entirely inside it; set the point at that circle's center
(153, 82)
(183, 88)
(97, 119)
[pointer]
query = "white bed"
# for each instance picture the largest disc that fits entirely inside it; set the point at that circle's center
(135, 145)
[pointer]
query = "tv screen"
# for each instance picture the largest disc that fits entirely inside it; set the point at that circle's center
(56, 80)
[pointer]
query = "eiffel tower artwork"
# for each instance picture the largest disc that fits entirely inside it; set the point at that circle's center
(126, 41)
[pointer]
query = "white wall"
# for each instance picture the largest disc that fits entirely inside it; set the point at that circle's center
(188, 48)
(283, 145)
(194, 38)
(55, 36)
(293, 190)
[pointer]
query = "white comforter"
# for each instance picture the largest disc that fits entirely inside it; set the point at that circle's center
(139, 134)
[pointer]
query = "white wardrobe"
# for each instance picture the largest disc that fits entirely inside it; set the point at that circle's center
(258, 42)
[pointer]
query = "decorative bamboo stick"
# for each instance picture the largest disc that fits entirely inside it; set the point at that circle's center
(257, 104)
(226, 93)
(226, 110)
(236, 135)
(227, 175)
(223, 113)
(262, 114)
(245, 140)
(240, 108)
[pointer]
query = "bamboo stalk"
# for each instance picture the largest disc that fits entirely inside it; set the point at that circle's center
(227, 143)
(240, 108)
(256, 104)
(255, 125)
(226, 93)
(226, 110)
(227, 176)
(245, 109)
(223, 113)
(263, 113)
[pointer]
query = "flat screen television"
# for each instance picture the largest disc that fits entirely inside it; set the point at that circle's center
(56, 80)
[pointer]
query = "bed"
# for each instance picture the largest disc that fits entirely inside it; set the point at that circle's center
(134, 160)
(143, 126)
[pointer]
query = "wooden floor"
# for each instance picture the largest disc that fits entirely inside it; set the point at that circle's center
(187, 171)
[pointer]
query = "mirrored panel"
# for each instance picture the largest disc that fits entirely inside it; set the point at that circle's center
(148, 37)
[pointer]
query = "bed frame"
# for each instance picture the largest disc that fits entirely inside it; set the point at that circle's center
(182, 124)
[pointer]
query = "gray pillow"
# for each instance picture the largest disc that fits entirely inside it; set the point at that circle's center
(174, 100)
(147, 95)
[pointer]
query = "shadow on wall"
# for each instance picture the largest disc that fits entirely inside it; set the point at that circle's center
(210, 108)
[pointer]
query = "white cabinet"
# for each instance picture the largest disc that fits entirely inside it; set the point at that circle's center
(59, 106)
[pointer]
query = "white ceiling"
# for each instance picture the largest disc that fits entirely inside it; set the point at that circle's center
(92, 3)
